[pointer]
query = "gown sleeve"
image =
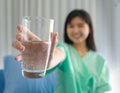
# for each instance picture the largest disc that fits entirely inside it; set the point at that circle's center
(103, 82)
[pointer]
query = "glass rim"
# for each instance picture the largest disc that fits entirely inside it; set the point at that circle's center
(37, 17)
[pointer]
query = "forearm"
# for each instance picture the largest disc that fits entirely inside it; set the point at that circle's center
(58, 56)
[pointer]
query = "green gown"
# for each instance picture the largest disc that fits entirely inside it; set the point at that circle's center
(75, 74)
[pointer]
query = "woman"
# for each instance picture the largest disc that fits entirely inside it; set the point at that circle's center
(79, 68)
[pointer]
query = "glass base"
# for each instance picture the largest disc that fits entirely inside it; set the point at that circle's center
(33, 74)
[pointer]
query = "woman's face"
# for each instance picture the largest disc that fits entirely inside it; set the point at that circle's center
(77, 30)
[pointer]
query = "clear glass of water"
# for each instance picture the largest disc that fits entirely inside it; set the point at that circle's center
(36, 33)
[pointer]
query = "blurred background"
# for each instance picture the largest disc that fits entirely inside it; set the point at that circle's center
(105, 15)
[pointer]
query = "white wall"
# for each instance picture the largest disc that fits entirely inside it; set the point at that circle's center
(116, 32)
(104, 28)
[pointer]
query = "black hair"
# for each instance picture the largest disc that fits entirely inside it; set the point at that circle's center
(86, 17)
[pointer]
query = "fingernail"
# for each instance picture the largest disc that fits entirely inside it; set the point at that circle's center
(21, 48)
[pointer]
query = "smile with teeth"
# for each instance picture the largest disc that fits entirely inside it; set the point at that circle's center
(77, 35)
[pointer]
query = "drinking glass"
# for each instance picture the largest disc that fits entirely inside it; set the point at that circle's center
(36, 34)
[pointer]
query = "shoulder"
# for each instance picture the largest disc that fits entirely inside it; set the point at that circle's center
(98, 60)
(98, 56)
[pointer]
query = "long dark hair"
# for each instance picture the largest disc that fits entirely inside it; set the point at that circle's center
(86, 17)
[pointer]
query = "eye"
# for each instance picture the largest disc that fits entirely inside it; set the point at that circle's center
(70, 26)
